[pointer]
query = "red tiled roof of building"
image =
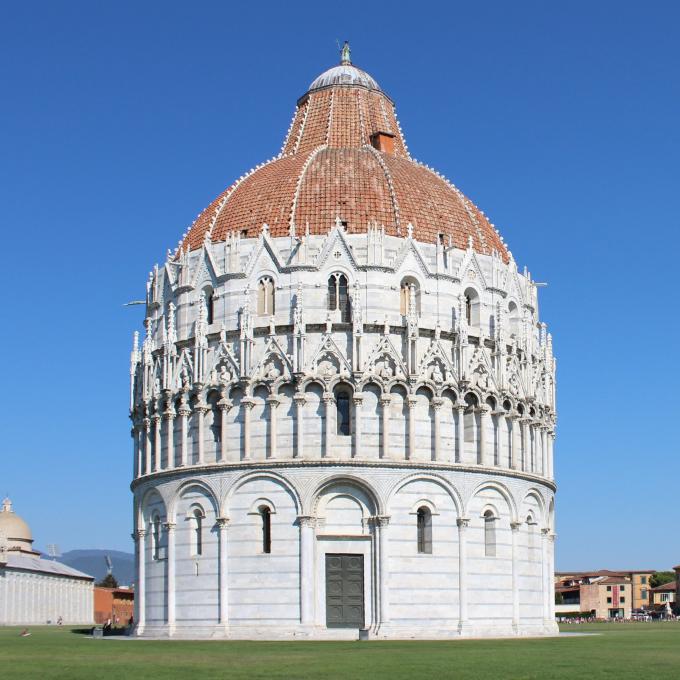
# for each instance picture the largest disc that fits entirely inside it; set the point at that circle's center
(670, 586)
(345, 157)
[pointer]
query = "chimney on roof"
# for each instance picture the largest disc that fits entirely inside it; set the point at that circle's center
(383, 141)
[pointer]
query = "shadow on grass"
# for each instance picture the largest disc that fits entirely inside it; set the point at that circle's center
(112, 632)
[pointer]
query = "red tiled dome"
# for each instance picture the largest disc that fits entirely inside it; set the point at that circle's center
(345, 156)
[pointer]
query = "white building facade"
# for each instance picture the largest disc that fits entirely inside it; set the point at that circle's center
(33, 590)
(344, 404)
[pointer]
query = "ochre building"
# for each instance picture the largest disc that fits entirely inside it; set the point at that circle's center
(343, 406)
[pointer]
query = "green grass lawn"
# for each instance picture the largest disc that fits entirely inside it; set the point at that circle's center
(620, 651)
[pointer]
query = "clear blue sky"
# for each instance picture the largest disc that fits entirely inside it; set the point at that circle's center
(120, 121)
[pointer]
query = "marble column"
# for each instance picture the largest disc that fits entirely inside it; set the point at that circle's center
(140, 586)
(484, 435)
(515, 528)
(156, 442)
(515, 441)
(551, 578)
(544, 451)
(184, 443)
(551, 454)
(224, 405)
(412, 402)
(357, 400)
(548, 587)
(273, 402)
(460, 431)
(463, 523)
(247, 403)
(169, 417)
(139, 461)
(170, 529)
(437, 404)
(200, 410)
(501, 436)
(307, 590)
(329, 424)
(385, 402)
(300, 401)
(222, 523)
(382, 524)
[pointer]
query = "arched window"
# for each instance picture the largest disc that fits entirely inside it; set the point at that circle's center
(266, 515)
(338, 296)
(530, 530)
(489, 534)
(196, 539)
(216, 416)
(209, 296)
(265, 296)
(342, 413)
(409, 292)
(471, 307)
(424, 524)
(156, 537)
(513, 318)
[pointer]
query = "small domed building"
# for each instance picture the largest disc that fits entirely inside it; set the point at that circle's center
(34, 590)
(344, 404)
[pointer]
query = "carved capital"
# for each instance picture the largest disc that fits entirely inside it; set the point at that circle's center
(437, 403)
(546, 532)
(411, 401)
(139, 534)
(358, 398)
(169, 526)
(463, 523)
(515, 526)
(381, 520)
(273, 401)
(299, 399)
(248, 402)
(225, 404)
(328, 398)
(385, 400)
(308, 521)
(222, 522)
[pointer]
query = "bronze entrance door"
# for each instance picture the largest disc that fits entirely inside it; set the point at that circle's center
(344, 591)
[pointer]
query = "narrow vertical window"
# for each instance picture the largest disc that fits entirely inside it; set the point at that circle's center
(343, 298)
(210, 305)
(156, 538)
(468, 309)
(338, 296)
(332, 292)
(424, 526)
(266, 515)
(265, 296)
(489, 534)
(342, 413)
(198, 532)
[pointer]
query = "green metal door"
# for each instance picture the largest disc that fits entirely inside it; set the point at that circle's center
(344, 591)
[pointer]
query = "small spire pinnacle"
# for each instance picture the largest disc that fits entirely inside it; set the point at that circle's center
(345, 54)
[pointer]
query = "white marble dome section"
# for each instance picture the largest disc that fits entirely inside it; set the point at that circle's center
(340, 433)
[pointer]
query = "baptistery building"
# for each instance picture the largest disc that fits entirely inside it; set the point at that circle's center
(343, 405)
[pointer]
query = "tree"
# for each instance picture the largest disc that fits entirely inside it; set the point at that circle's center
(559, 598)
(660, 577)
(109, 581)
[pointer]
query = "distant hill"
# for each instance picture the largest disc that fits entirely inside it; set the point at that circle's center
(92, 562)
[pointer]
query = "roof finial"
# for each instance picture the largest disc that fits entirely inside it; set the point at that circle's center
(345, 54)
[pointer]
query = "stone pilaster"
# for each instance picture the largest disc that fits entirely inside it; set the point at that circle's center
(300, 401)
(273, 410)
(463, 523)
(307, 526)
(222, 524)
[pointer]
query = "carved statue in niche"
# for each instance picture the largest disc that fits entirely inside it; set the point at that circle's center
(436, 374)
(271, 370)
(224, 376)
(327, 366)
(513, 385)
(482, 378)
(184, 379)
